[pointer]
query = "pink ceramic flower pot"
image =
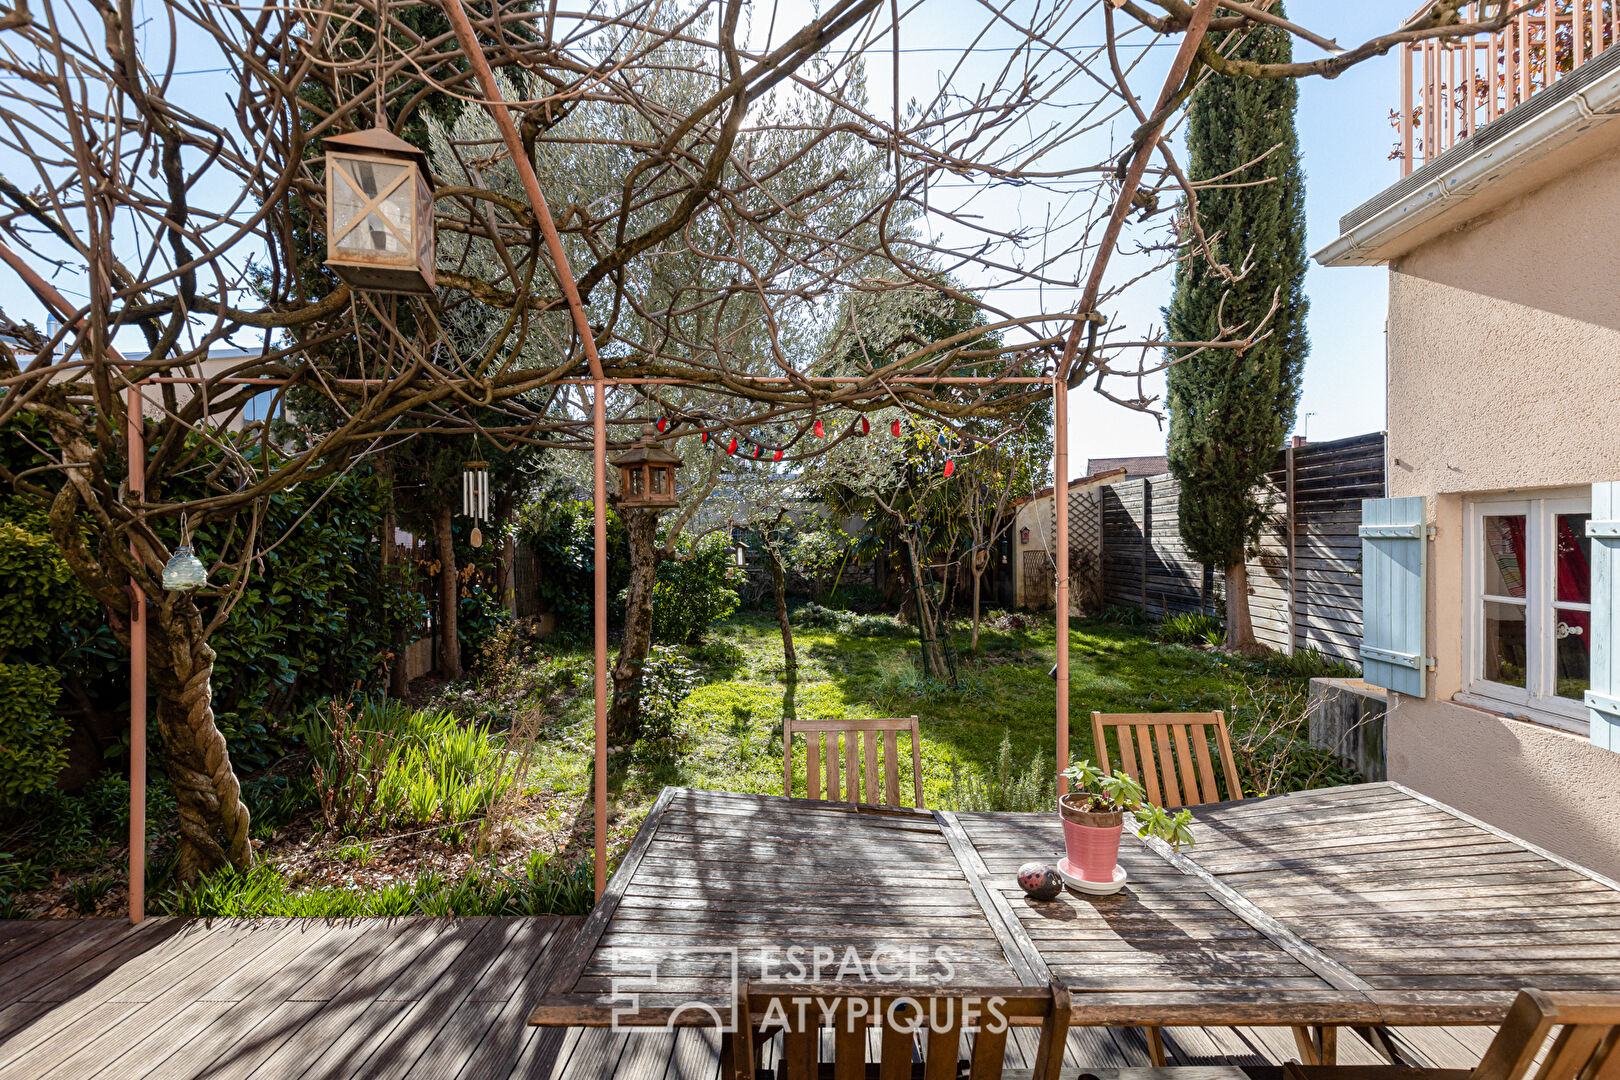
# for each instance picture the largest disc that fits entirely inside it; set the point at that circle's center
(1091, 839)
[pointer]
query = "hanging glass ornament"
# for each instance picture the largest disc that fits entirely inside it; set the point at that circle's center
(819, 432)
(756, 451)
(732, 448)
(950, 467)
(475, 497)
(778, 456)
(184, 571)
(663, 422)
(894, 429)
(705, 436)
(866, 426)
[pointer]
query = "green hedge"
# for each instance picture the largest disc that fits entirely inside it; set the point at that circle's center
(33, 736)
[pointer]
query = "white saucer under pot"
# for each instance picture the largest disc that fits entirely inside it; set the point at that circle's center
(1072, 878)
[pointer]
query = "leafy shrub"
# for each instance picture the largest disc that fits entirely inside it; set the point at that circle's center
(694, 590)
(819, 555)
(1306, 664)
(815, 617)
(1010, 787)
(666, 681)
(1009, 622)
(559, 527)
(546, 886)
(1124, 615)
(386, 765)
(1191, 628)
(33, 746)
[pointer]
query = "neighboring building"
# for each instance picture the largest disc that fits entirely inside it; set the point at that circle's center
(1131, 467)
(1028, 549)
(1491, 575)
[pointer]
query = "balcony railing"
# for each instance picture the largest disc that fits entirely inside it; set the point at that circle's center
(1451, 89)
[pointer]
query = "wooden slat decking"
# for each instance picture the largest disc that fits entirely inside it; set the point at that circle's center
(417, 998)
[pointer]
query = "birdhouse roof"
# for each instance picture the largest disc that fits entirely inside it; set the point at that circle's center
(646, 453)
(380, 141)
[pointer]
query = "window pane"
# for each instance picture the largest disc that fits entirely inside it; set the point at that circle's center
(1574, 569)
(1572, 642)
(1504, 555)
(1504, 642)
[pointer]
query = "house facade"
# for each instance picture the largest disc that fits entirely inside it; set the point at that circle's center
(1491, 574)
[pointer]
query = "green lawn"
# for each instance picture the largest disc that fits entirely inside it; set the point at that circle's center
(727, 734)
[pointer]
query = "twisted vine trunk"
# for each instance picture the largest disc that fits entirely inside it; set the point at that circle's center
(213, 819)
(624, 712)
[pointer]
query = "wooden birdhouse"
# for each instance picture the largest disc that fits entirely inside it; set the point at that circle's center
(647, 473)
(379, 212)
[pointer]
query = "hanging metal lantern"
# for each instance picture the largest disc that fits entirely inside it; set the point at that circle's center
(475, 497)
(647, 473)
(379, 212)
(184, 571)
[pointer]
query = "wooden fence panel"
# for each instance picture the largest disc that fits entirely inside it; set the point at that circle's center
(1305, 582)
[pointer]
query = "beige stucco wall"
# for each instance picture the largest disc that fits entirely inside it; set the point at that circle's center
(1504, 374)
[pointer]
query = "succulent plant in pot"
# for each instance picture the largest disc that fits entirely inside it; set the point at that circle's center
(1093, 814)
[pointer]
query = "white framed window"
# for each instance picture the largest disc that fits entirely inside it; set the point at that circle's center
(1528, 616)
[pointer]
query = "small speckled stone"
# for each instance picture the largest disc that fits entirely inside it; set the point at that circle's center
(1040, 881)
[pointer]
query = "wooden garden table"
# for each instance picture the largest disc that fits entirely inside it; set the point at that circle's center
(1364, 905)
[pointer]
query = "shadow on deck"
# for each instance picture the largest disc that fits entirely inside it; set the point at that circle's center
(409, 998)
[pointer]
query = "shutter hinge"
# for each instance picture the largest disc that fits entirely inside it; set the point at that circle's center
(1430, 532)
(1390, 532)
(1603, 530)
(1603, 703)
(1399, 659)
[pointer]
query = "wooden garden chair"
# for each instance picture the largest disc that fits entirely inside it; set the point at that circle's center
(1584, 1029)
(859, 757)
(1169, 755)
(901, 1020)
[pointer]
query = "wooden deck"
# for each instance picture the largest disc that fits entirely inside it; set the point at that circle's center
(411, 998)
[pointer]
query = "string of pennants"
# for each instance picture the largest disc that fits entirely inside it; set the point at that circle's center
(897, 429)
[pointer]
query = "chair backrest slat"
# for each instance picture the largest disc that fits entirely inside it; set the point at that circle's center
(1587, 1046)
(1169, 755)
(863, 757)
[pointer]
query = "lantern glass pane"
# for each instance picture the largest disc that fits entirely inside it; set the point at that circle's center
(658, 481)
(424, 224)
(386, 228)
(635, 481)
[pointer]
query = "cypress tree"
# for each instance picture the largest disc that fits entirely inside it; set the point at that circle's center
(1231, 410)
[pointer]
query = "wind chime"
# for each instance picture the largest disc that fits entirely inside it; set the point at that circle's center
(475, 497)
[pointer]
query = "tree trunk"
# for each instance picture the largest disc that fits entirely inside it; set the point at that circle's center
(624, 713)
(1239, 628)
(790, 660)
(927, 617)
(213, 820)
(981, 562)
(449, 595)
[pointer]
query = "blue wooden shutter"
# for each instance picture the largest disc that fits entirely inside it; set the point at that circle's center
(1394, 568)
(1604, 696)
